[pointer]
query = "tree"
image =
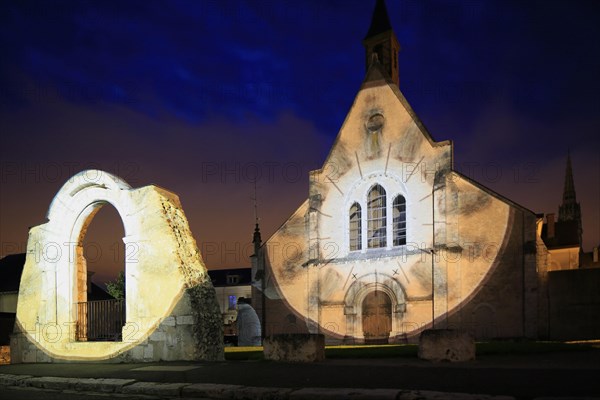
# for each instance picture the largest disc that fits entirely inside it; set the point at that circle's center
(116, 288)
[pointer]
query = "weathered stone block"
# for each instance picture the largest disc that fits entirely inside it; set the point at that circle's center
(29, 356)
(137, 352)
(343, 393)
(430, 395)
(210, 390)
(158, 336)
(169, 321)
(42, 357)
(52, 382)
(185, 320)
(102, 385)
(155, 389)
(446, 345)
(149, 351)
(172, 340)
(295, 348)
(13, 380)
(262, 393)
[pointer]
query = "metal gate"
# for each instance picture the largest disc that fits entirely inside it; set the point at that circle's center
(101, 320)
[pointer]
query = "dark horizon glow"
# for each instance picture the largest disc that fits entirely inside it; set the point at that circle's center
(201, 97)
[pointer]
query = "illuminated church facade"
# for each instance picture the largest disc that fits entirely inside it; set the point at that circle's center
(392, 240)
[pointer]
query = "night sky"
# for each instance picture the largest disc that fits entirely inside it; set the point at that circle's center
(202, 97)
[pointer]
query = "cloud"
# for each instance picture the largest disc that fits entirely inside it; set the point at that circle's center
(211, 166)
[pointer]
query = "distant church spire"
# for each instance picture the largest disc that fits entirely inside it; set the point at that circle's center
(570, 210)
(256, 239)
(569, 190)
(381, 42)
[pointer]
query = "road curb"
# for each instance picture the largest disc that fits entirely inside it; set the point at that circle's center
(13, 380)
(221, 391)
(101, 385)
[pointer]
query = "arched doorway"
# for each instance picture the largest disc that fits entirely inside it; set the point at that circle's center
(101, 313)
(377, 317)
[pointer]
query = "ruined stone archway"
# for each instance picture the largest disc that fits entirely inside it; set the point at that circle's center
(172, 312)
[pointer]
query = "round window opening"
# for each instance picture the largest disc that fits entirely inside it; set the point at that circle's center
(375, 123)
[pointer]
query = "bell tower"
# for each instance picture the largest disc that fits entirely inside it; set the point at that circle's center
(381, 43)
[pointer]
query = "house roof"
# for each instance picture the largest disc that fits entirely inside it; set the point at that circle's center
(11, 268)
(219, 276)
(566, 234)
(97, 293)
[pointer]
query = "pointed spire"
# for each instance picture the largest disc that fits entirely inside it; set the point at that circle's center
(570, 210)
(380, 22)
(569, 190)
(256, 239)
(381, 44)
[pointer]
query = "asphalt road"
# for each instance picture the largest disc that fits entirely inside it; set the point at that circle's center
(525, 377)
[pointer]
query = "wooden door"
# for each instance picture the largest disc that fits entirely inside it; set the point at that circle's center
(377, 317)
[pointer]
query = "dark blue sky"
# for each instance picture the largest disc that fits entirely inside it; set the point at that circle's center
(169, 92)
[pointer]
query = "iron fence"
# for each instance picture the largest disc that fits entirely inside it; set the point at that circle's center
(100, 320)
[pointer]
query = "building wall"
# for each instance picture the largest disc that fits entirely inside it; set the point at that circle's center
(563, 258)
(223, 293)
(484, 270)
(8, 302)
(542, 279)
(574, 309)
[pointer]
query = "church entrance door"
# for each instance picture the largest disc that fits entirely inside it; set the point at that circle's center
(377, 317)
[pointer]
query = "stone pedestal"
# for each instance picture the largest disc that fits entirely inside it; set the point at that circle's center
(295, 348)
(446, 345)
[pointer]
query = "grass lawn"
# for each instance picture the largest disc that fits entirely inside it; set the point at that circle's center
(410, 350)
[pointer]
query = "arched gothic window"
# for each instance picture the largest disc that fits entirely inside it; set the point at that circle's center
(399, 220)
(376, 218)
(355, 227)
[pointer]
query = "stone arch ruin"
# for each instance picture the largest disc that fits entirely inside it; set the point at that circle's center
(171, 308)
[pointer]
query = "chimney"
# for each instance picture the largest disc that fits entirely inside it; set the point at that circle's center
(551, 228)
(596, 254)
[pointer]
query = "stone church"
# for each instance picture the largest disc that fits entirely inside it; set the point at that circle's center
(392, 240)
